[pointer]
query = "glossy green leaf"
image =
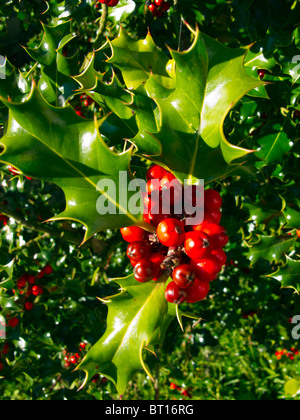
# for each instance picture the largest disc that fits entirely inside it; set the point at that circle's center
(56, 145)
(209, 79)
(288, 275)
(292, 217)
(137, 59)
(56, 66)
(137, 319)
(270, 248)
(275, 145)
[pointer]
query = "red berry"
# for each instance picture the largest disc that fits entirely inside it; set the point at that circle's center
(156, 172)
(174, 294)
(298, 233)
(171, 233)
(152, 186)
(145, 270)
(21, 282)
(184, 276)
(158, 2)
(28, 306)
(48, 269)
(165, 6)
(157, 259)
(198, 291)
(173, 386)
(196, 245)
(212, 200)
(172, 190)
(216, 233)
(5, 349)
(261, 73)
(213, 216)
(13, 322)
(37, 290)
(133, 234)
(73, 360)
(207, 268)
(31, 279)
(152, 7)
(137, 251)
(220, 254)
(113, 3)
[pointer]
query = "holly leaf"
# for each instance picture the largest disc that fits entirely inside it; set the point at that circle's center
(270, 248)
(275, 145)
(292, 217)
(56, 67)
(137, 59)
(288, 275)
(56, 145)
(206, 81)
(137, 319)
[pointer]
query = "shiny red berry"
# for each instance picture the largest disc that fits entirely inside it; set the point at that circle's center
(220, 254)
(171, 233)
(175, 294)
(137, 251)
(145, 270)
(196, 245)
(212, 200)
(184, 276)
(207, 268)
(133, 234)
(156, 172)
(198, 291)
(217, 234)
(37, 290)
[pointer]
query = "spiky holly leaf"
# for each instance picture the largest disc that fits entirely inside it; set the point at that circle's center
(275, 145)
(270, 248)
(292, 217)
(288, 275)
(137, 59)
(57, 63)
(138, 318)
(207, 81)
(13, 84)
(56, 145)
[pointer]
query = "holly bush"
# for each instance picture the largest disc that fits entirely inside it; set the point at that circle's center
(92, 92)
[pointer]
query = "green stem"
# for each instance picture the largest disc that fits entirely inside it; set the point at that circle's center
(100, 32)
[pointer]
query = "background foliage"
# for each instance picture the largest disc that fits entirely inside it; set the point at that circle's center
(233, 352)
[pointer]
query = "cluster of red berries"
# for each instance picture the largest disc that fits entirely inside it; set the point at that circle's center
(192, 256)
(73, 359)
(158, 7)
(109, 3)
(27, 285)
(184, 392)
(86, 101)
(290, 354)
